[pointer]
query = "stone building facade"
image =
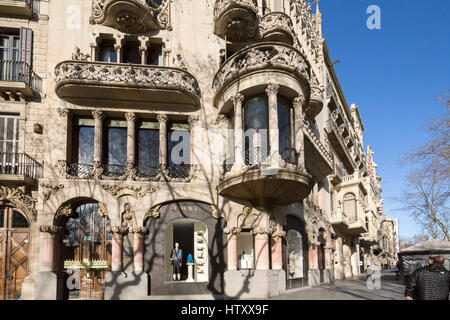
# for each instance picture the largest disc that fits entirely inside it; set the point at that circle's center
(219, 125)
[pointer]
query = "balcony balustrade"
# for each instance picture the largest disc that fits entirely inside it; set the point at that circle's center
(19, 168)
(339, 145)
(17, 80)
(339, 219)
(235, 20)
(126, 85)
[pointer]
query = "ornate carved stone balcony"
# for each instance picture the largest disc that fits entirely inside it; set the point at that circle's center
(356, 225)
(17, 7)
(126, 85)
(339, 220)
(235, 20)
(276, 26)
(339, 145)
(264, 182)
(257, 66)
(131, 16)
(368, 238)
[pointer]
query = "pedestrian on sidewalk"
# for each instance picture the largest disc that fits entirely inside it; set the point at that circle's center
(431, 282)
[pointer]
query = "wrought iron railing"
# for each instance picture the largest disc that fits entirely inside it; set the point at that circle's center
(20, 164)
(147, 171)
(254, 156)
(289, 155)
(20, 71)
(80, 170)
(179, 171)
(113, 170)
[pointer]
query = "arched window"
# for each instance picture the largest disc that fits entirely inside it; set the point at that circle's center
(192, 238)
(350, 207)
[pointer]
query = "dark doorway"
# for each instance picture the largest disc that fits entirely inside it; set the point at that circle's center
(321, 256)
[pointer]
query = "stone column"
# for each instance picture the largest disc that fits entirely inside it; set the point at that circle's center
(262, 248)
(162, 119)
(138, 248)
(117, 246)
(131, 138)
(93, 51)
(272, 92)
(50, 235)
(277, 256)
(238, 99)
(118, 46)
(298, 127)
(232, 247)
(193, 120)
(98, 135)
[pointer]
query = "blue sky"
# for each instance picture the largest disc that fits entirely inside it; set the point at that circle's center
(393, 75)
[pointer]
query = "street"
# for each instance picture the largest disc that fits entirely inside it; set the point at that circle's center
(355, 289)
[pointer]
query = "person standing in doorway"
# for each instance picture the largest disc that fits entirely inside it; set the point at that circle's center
(177, 258)
(431, 282)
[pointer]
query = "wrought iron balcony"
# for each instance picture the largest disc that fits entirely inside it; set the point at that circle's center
(131, 16)
(276, 26)
(126, 85)
(19, 168)
(339, 145)
(17, 80)
(289, 155)
(80, 170)
(235, 20)
(24, 8)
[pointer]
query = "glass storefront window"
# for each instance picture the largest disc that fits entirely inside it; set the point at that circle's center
(245, 251)
(294, 253)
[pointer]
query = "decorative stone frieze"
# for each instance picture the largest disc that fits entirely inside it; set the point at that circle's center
(17, 198)
(117, 190)
(118, 231)
(139, 232)
(232, 230)
(65, 211)
(50, 232)
(63, 112)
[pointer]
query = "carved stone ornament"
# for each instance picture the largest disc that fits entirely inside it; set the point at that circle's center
(17, 198)
(64, 212)
(139, 232)
(248, 218)
(49, 189)
(63, 112)
(216, 213)
(118, 231)
(232, 230)
(102, 212)
(79, 56)
(178, 62)
(50, 231)
(137, 190)
(261, 231)
(278, 235)
(153, 213)
(128, 218)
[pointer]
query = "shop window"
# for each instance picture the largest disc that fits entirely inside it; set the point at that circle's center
(245, 250)
(192, 238)
(294, 253)
(107, 52)
(87, 249)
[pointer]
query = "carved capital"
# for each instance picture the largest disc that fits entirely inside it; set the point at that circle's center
(261, 231)
(130, 116)
(98, 115)
(232, 231)
(118, 231)
(272, 89)
(63, 112)
(238, 99)
(139, 232)
(162, 118)
(298, 101)
(221, 118)
(50, 232)
(278, 235)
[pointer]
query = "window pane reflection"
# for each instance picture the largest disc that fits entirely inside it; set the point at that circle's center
(294, 253)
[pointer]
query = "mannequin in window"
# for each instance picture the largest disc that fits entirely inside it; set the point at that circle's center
(177, 257)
